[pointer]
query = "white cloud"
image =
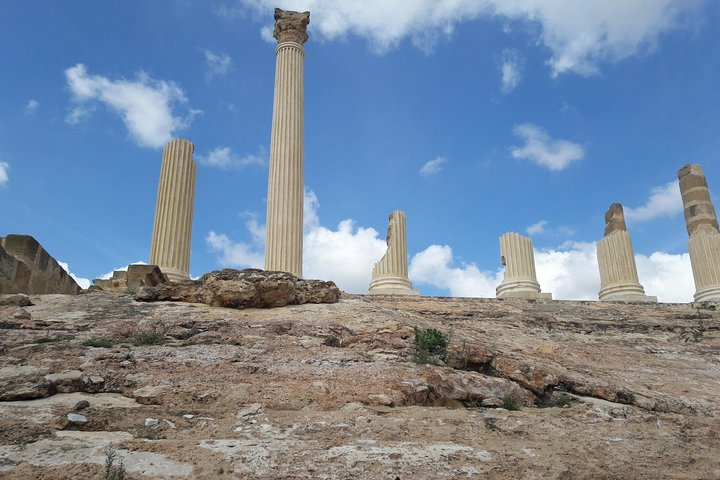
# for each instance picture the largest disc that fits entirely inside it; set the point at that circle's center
(83, 282)
(78, 114)
(4, 176)
(579, 34)
(543, 150)
(235, 254)
(218, 63)
(145, 105)
(664, 201)
(432, 167)
(433, 266)
(223, 157)
(511, 70)
(667, 276)
(537, 228)
(344, 255)
(569, 272)
(31, 107)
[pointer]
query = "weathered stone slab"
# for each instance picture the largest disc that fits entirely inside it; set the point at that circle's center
(131, 280)
(250, 288)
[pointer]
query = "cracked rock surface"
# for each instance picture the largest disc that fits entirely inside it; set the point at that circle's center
(325, 391)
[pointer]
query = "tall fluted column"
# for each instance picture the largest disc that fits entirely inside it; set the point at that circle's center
(702, 226)
(172, 230)
(616, 261)
(284, 234)
(520, 280)
(390, 274)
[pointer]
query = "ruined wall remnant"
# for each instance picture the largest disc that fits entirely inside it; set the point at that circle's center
(26, 267)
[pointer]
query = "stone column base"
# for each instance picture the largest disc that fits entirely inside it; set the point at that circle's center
(625, 292)
(392, 286)
(521, 288)
(174, 275)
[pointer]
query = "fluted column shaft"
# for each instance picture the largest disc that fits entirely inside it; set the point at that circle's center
(618, 271)
(702, 226)
(520, 278)
(172, 231)
(284, 234)
(390, 274)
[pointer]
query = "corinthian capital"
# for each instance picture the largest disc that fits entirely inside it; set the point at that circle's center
(291, 26)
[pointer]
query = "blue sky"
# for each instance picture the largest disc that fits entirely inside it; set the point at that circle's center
(475, 117)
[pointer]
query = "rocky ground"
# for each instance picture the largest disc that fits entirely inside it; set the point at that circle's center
(529, 390)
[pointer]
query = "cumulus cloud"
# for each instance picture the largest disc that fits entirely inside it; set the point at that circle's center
(4, 176)
(217, 63)
(435, 266)
(569, 272)
(83, 282)
(543, 150)
(344, 255)
(31, 107)
(145, 105)
(511, 70)
(223, 157)
(664, 201)
(432, 167)
(579, 34)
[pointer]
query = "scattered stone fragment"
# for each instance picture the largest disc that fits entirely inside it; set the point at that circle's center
(169, 423)
(76, 418)
(249, 410)
(382, 399)
(81, 405)
(151, 422)
(149, 395)
(15, 300)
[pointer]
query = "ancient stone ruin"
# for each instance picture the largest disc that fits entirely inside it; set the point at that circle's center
(172, 232)
(702, 227)
(390, 274)
(616, 261)
(520, 280)
(26, 267)
(284, 231)
(130, 280)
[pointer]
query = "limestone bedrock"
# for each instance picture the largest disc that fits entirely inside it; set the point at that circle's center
(702, 227)
(390, 274)
(172, 231)
(284, 228)
(616, 261)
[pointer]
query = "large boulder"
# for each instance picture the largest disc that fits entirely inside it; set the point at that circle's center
(250, 288)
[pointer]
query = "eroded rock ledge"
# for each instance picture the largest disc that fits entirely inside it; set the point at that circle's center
(250, 288)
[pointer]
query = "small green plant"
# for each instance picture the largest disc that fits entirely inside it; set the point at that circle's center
(691, 336)
(431, 346)
(98, 343)
(511, 402)
(113, 470)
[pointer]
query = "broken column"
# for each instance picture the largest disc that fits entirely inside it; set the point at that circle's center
(390, 274)
(702, 227)
(520, 280)
(284, 231)
(172, 230)
(616, 260)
